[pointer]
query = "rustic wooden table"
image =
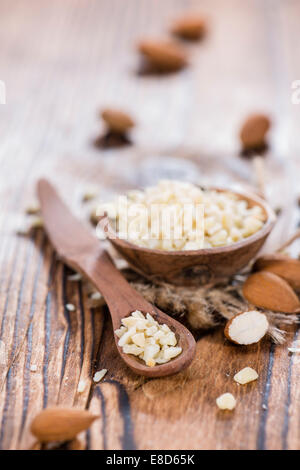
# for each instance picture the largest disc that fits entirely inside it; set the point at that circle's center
(61, 62)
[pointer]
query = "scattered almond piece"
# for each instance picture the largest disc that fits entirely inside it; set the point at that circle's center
(247, 327)
(163, 55)
(33, 368)
(285, 267)
(60, 424)
(246, 375)
(70, 307)
(89, 195)
(253, 131)
(95, 296)
(99, 375)
(226, 401)
(117, 121)
(294, 350)
(37, 223)
(94, 217)
(190, 26)
(269, 291)
(33, 209)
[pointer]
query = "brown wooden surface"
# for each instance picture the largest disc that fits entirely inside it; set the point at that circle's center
(192, 268)
(61, 61)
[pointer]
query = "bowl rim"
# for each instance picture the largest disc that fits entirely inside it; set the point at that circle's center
(246, 195)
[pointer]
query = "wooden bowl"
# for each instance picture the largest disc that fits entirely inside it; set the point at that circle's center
(195, 267)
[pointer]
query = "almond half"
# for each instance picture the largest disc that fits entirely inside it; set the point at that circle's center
(285, 267)
(163, 55)
(247, 327)
(60, 424)
(253, 131)
(116, 120)
(269, 291)
(189, 26)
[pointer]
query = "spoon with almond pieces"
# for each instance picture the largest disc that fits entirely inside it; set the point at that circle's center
(82, 251)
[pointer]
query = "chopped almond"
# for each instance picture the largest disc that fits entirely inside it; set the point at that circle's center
(247, 327)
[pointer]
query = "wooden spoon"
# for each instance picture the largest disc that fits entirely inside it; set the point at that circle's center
(83, 252)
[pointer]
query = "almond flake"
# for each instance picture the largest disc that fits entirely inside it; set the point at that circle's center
(81, 386)
(152, 342)
(163, 55)
(253, 131)
(116, 120)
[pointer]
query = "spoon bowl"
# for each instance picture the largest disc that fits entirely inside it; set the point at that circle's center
(194, 267)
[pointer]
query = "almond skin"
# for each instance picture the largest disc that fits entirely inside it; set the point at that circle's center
(60, 424)
(163, 55)
(285, 267)
(269, 291)
(253, 131)
(189, 26)
(117, 121)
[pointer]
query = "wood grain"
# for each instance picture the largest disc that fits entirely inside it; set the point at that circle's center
(62, 62)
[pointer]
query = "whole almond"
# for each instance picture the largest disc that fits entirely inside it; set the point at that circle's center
(117, 121)
(253, 131)
(60, 424)
(163, 55)
(189, 26)
(269, 291)
(284, 266)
